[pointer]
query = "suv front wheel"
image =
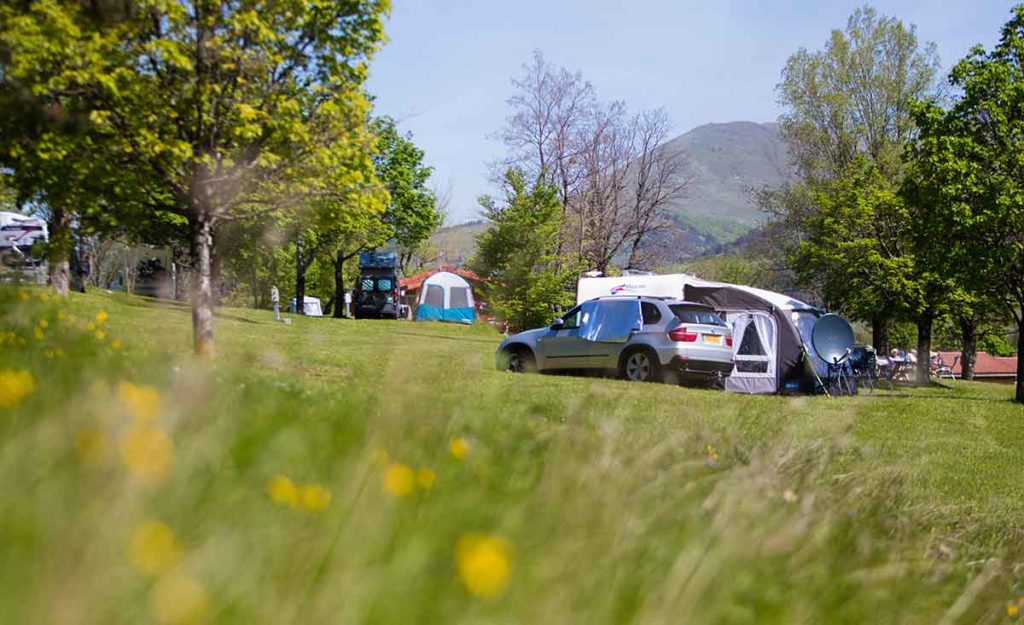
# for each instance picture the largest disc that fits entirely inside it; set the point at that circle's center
(640, 365)
(517, 359)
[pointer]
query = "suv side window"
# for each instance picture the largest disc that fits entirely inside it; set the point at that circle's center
(571, 320)
(650, 312)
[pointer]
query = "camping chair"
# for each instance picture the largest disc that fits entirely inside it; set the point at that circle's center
(943, 370)
(864, 367)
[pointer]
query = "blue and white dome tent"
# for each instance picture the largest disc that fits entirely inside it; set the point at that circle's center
(446, 297)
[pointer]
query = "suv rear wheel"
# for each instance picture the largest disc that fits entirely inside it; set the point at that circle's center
(640, 365)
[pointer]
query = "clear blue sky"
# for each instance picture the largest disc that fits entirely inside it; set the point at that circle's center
(445, 72)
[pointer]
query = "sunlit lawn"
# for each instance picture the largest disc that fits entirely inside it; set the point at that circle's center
(383, 472)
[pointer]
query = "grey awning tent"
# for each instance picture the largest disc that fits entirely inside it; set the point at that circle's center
(771, 337)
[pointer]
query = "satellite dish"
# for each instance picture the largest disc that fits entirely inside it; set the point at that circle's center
(832, 338)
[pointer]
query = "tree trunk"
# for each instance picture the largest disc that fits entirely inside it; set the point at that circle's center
(880, 335)
(181, 274)
(968, 348)
(202, 294)
(216, 262)
(1019, 396)
(339, 284)
(924, 349)
(60, 251)
(634, 247)
(300, 277)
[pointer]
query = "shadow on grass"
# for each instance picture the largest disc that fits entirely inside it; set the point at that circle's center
(143, 301)
(444, 336)
(166, 304)
(913, 392)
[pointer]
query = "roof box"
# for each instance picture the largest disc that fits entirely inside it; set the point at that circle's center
(378, 260)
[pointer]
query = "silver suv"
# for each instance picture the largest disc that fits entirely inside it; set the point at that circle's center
(639, 338)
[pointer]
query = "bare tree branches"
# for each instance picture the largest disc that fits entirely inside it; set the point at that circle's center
(614, 175)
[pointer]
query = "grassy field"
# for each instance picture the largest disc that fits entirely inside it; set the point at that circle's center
(383, 472)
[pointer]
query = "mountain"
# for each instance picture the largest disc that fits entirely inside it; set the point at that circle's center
(727, 161)
(456, 244)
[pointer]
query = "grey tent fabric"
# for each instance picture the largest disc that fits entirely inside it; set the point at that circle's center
(772, 324)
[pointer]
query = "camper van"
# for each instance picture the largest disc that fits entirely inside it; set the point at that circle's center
(377, 295)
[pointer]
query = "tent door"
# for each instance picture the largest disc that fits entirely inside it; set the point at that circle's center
(755, 340)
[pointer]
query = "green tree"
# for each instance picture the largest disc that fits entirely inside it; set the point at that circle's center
(55, 58)
(528, 282)
(229, 108)
(971, 174)
(412, 214)
(846, 123)
(410, 217)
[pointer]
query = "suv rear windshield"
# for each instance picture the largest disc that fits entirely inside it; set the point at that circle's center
(690, 314)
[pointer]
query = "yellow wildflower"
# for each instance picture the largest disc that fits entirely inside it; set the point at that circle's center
(143, 402)
(425, 478)
(39, 334)
(101, 317)
(115, 345)
(14, 387)
(154, 548)
(178, 600)
(459, 448)
(399, 480)
(61, 315)
(315, 497)
(43, 323)
(484, 564)
(147, 453)
(23, 296)
(91, 327)
(282, 490)
(44, 296)
(100, 335)
(1012, 610)
(92, 445)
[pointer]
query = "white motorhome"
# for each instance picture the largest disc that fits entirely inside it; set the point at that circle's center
(772, 331)
(18, 234)
(21, 231)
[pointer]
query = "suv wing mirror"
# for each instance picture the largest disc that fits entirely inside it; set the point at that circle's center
(557, 323)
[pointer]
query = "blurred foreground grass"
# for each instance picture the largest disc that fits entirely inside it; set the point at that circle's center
(382, 472)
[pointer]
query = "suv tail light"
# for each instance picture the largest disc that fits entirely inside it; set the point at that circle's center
(728, 340)
(680, 334)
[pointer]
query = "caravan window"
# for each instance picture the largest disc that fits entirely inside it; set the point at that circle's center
(435, 296)
(459, 297)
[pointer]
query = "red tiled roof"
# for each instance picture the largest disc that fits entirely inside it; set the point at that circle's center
(414, 282)
(986, 365)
